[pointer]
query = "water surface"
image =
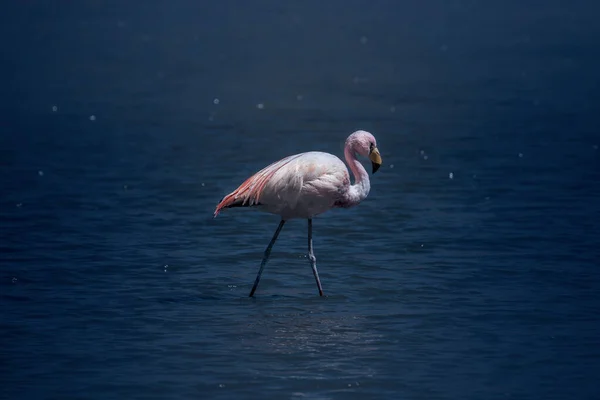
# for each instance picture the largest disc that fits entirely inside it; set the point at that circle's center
(470, 271)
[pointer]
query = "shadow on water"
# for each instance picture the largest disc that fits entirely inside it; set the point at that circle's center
(307, 338)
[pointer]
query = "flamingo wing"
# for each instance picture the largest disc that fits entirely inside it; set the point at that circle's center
(248, 193)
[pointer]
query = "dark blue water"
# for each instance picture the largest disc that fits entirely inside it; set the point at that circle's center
(470, 272)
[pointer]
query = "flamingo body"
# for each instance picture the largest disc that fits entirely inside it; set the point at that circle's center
(305, 185)
(299, 186)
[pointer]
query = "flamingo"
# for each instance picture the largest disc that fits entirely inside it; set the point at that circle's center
(305, 185)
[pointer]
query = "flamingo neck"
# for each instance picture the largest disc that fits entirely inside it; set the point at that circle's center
(360, 190)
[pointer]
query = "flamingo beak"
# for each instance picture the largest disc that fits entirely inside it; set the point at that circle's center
(375, 158)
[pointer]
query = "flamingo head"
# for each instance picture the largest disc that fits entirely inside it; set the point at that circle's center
(364, 144)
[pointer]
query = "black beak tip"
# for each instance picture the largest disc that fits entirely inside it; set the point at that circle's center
(375, 167)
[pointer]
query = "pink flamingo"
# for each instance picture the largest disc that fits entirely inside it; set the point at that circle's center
(305, 185)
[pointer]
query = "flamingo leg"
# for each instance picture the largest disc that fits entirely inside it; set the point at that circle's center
(266, 257)
(312, 258)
